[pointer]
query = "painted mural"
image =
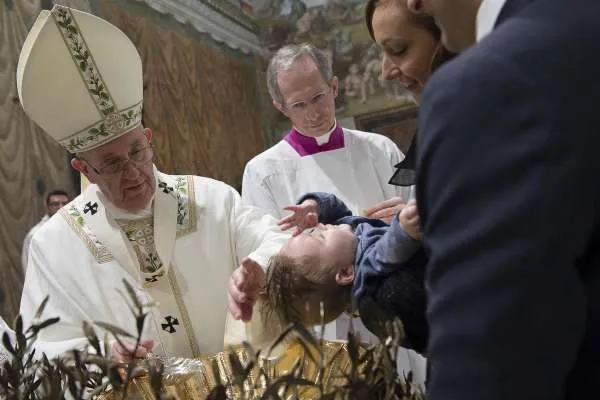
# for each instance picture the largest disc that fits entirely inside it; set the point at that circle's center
(336, 26)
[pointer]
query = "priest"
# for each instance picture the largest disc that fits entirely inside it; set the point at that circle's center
(317, 154)
(175, 239)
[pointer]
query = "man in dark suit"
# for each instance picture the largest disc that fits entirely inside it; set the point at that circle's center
(508, 190)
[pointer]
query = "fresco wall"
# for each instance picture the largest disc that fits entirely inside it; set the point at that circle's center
(337, 27)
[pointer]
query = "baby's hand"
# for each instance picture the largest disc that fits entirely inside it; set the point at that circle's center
(305, 215)
(409, 220)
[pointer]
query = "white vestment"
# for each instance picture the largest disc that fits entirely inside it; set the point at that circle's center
(181, 258)
(4, 354)
(55, 349)
(27, 241)
(357, 173)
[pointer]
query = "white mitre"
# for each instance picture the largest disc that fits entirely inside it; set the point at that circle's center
(80, 79)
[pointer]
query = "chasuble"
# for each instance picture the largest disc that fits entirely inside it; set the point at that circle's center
(179, 254)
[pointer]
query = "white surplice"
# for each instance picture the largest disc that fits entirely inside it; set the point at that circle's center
(200, 234)
(358, 174)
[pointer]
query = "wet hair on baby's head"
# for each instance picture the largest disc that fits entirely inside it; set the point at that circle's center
(300, 290)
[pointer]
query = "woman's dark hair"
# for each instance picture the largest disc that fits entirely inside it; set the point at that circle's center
(422, 20)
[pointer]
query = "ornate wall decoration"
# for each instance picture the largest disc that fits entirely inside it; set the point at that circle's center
(399, 124)
(337, 27)
(199, 99)
(31, 163)
(220, 19)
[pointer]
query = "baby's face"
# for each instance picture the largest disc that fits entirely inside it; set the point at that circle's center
(333, 244)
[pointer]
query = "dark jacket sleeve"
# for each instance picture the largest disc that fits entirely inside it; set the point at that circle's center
(400, 295)
(330, 207)
(389, 282)
(503, 227)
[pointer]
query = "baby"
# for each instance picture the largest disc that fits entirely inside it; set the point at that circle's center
(335, 259)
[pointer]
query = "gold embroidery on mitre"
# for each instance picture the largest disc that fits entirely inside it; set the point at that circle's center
(113, 122)
(82, 57)
(104, 130)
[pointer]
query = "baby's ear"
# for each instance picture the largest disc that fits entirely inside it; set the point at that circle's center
(345, 276)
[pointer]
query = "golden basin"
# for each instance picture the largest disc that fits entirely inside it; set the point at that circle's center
(197, 379)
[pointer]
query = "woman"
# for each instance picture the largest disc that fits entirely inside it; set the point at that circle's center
(410, 43)
(411, 51)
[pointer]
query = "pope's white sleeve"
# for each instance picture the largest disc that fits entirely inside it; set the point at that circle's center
(25, 250)
(255, 193)
(50, 349)
(39, 282)
(257, 234)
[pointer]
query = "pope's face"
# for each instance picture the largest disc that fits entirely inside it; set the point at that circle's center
(308, 101)
(122, 169)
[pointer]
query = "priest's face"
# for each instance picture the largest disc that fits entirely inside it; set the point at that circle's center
(122, 169)
(308, 100)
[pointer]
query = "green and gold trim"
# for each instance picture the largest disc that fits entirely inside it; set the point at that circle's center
(104, 131)
(75, 220)
(83, 59)
(185, 316)
(113, 122)
(186, 205)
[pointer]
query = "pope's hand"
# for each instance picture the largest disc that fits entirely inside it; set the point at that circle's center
(305, 216)
(126, 353)
(386, 210)
(244, 287)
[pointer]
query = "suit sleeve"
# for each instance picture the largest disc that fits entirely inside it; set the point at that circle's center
(504, 220)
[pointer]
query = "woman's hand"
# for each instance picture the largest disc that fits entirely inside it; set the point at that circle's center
(386, 210)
